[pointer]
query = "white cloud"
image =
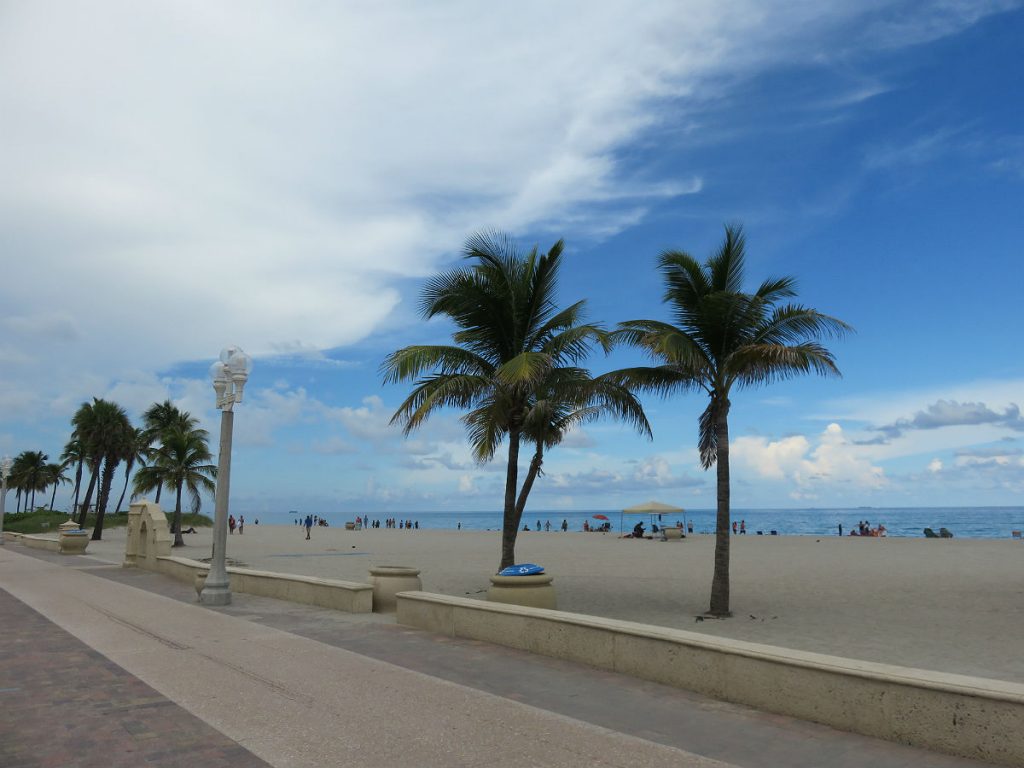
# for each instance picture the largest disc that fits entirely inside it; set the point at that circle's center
(935, 466)
(831, 461)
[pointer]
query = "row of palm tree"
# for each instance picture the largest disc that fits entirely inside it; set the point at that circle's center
(32, 471)
(168, 451)
(515, 368)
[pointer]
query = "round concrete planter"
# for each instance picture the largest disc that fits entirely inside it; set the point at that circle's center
(533, 591)
(388, 581)
(72, 543)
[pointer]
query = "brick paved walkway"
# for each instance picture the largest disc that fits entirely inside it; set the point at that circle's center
(66, 706)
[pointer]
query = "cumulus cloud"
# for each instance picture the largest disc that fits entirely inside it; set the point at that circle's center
(832, 459)
(950, 413)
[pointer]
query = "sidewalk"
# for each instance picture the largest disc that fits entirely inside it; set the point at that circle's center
(290, 685)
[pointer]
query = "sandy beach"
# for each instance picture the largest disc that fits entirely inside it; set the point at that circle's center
(948, 605)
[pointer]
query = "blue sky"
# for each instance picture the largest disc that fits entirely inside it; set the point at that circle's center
(179, 177)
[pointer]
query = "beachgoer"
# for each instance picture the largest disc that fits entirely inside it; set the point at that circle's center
(586, 526)
(538, 525)
(241, 524)
(565, 526)
(689, 526)
(526, 526)
(743, 527)
(547, 525)
(231, 523)
(309, 525)
(459, 526)
(256, 521)
(840, 529)
(638, 531)
(733, 527)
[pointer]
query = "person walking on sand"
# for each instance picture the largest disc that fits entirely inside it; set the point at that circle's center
(231, 523)
(565, 525)
(309, 525)
(241, 524)
(733, 527)
(743, 527)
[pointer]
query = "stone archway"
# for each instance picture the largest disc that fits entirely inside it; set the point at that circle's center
(148, 537)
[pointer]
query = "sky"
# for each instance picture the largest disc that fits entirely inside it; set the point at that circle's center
(176, 177)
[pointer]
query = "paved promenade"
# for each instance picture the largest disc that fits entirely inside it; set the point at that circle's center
(108, 667)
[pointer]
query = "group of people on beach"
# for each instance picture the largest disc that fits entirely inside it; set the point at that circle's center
(389, 523)
(864, 529)
(239, 523)
(546, 527)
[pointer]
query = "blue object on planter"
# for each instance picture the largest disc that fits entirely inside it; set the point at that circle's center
(522, 569)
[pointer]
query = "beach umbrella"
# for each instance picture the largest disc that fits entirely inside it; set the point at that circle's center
(651, 508)
(600, 517)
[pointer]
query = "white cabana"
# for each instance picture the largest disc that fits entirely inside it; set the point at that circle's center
(651, 508)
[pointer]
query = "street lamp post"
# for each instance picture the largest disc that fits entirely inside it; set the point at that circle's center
(229, 375)
(5, 471)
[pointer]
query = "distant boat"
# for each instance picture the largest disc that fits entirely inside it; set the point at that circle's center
(293, 511)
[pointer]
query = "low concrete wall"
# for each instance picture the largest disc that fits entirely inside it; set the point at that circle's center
(967, 716)
(12, 536)
(349, 596)
(39, 541)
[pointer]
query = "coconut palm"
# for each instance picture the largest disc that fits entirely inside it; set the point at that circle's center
(55, 476)
(74, 454)
(181, 463)
(136, 451)
(160, 419)
(102, 427)
(567, 398)
(511, 338)
(724, 338)
(30, 473)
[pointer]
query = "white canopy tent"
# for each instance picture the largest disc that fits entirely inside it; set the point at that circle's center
(652, 508)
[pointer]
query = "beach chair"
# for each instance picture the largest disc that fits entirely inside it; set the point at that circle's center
(930, 534)
(1015, 534)
(945, 533)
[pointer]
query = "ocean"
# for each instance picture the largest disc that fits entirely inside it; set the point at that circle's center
(964, 522)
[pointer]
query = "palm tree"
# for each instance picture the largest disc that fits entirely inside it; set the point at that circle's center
(102, 427)
(74, 454)
(29, 468)
(565, 399)
(160, 419)
(723, 337)
(182, 463)
(136, 451)
(55, 476)
(511, 338)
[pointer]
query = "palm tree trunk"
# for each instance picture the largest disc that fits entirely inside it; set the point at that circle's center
(109, 467)
(720, 582)
(88, 497)
(179, 541)
(127, 475)
(158, 489)
(33, 507)
(53, 496)
(510, 522)
(78, 486)
(17, 498)
(535, 464)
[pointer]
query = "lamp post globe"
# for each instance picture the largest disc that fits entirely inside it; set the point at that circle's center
(229, 375)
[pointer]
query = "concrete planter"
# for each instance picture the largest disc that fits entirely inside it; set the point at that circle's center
(72, 543)
(533, 591)
(388, 581)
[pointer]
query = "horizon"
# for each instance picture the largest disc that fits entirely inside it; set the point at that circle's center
(293, 187)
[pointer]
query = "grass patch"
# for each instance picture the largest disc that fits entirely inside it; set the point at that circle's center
(44, 521)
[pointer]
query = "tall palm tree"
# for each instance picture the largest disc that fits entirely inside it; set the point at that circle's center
(55, 476)
(159, 420)
(724, 338)
(511, 337)
(74, 454)
(136, 451)
(182, 463)
(102, 427)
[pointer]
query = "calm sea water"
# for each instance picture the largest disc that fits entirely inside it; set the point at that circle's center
(964, 522)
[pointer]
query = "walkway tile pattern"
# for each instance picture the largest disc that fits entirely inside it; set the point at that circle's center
(62, 705)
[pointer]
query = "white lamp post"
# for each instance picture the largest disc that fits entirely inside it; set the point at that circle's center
(5, 471)
(229, 376)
